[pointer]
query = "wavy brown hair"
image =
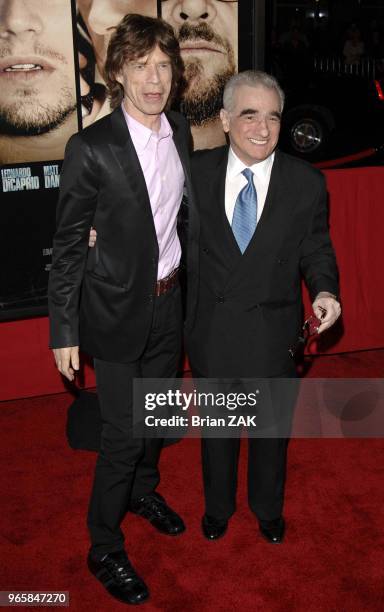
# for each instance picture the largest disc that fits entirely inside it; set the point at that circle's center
(134, 37)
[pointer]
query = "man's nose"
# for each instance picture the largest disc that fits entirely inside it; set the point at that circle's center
(102, 17)
(263, 127)
(194, 11)
(18, 18)
(153, 75)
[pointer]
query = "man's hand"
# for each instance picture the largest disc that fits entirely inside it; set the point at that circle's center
(92, 237)
(327, 309)
(67, 360)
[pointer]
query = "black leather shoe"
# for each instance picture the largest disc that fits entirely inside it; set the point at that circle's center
(273, 531)
(213, 529)
(154, 508)
(117, 575)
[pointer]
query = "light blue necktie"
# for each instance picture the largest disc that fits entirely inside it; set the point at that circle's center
(245, 214)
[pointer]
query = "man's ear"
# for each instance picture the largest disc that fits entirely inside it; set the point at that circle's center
(224, 116)
(119, 78)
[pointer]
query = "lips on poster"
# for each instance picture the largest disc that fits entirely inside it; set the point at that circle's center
(38, 106)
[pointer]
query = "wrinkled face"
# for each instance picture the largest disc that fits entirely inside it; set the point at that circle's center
(37, 82)
(147, 84)
(253, 123)
(102, 16)
(207, 33)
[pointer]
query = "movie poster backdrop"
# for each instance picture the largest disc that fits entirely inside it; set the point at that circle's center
(52, 54)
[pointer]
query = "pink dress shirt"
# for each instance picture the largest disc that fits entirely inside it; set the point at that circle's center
(164, 177)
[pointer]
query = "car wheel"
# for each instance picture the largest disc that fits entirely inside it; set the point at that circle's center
(306, 134)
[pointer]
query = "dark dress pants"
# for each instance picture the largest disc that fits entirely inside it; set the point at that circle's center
(127, 467)
(267, 458)
(267, 461)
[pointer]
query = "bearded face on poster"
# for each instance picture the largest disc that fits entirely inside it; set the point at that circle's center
(38, 111)
(207, 33)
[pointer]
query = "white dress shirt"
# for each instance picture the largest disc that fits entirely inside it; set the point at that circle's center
(235, 181)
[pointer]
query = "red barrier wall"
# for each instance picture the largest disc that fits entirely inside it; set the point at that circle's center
(356, 222)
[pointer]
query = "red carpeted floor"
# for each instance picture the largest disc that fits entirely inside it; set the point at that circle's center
(332, 559)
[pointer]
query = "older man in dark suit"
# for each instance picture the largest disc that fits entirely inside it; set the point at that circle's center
(263, 217)
(121, 301)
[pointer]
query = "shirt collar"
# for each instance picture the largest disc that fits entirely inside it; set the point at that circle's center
(141, 134)
(236, 166)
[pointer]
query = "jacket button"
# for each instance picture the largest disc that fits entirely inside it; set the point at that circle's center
(220, 299)
(206, 251)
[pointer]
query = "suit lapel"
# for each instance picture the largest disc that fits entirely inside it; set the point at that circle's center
(231, 249)
(278, 208)
(181, 146)
(272, 200)
(183, 150)
(125, 153)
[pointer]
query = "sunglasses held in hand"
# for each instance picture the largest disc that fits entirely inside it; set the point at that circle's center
(310, 328)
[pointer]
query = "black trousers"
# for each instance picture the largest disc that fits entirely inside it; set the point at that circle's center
(267, 462)
(267, 459)
(127, 467)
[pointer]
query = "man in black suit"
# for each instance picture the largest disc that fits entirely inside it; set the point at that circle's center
(263, 218)
(120, 302)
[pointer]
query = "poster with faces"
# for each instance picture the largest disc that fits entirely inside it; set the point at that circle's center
(52, 56)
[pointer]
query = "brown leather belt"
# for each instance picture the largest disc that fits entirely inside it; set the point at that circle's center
(166, 284)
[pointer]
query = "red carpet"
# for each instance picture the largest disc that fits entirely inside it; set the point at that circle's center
(332, 558)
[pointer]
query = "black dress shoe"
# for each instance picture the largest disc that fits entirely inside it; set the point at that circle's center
(154, 508)
(213, 528)
(117, 575)
(273, 531)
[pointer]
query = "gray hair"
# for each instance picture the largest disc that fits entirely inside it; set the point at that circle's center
(251, 78)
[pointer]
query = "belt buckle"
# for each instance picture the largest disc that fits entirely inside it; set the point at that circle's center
(158, 288)
(166, 283)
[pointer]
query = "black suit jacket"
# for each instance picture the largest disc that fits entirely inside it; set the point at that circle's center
(249, 306)
(103, 298)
